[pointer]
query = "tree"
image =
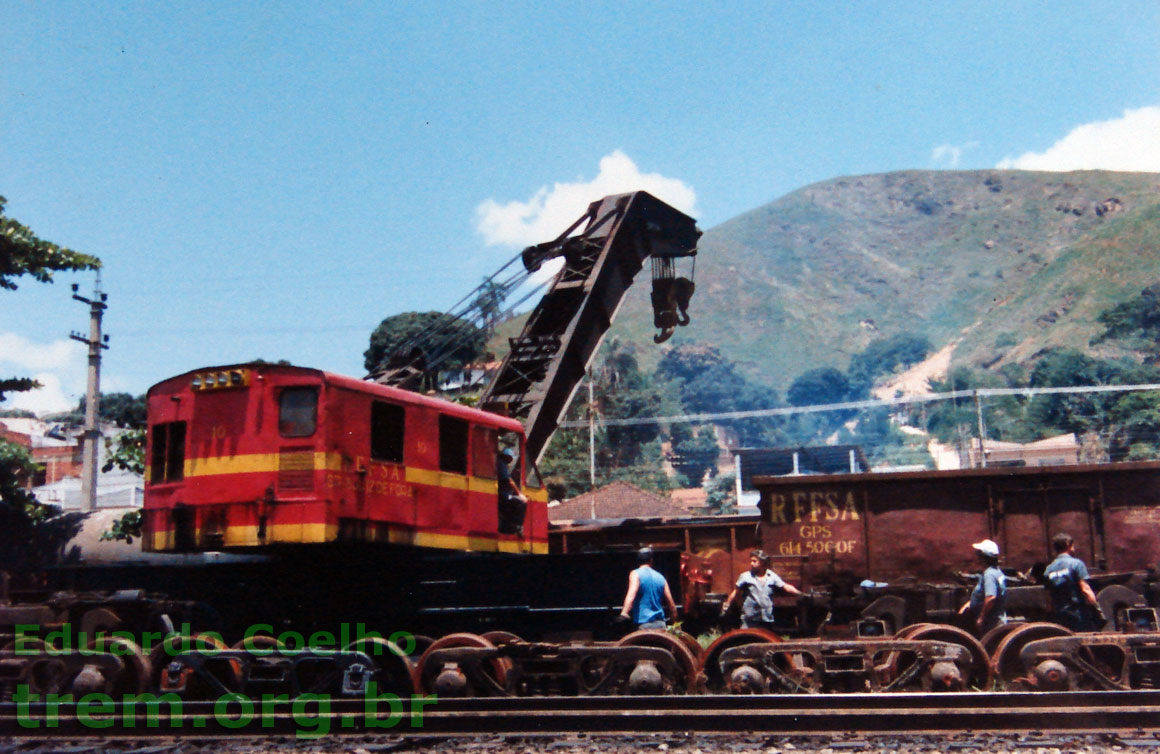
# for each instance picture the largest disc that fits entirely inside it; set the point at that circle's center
(818, 386)
(23, 253)
(126, 451)
(621, 390)
(431, 334)
(564, 467)
(121, 409)
(883, 356)
(957, 420)
(30, 533)
(16, 468)
(694, 455)
(710, 383)
(721, 494)
(1065, 367)
(16, 385)
(1126, 424)
(1138, 316)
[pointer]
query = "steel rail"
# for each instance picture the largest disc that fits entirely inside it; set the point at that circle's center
(1073, 712)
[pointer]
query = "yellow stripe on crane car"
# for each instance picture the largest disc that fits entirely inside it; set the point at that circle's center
(269, 463)
(247, 536)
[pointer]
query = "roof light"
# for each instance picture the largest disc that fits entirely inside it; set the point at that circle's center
(231, 378)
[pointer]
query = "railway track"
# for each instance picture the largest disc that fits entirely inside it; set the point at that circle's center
(1132, 713)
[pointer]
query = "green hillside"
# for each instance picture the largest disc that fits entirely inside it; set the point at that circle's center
(1010, 262)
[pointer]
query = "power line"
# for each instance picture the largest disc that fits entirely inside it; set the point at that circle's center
(856, 405)
(244, 330)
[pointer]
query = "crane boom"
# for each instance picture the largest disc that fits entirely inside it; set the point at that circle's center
(547, 360)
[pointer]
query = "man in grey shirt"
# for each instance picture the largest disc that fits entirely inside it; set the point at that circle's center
(758, 584)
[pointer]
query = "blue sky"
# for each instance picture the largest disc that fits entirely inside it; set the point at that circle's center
(273, 179)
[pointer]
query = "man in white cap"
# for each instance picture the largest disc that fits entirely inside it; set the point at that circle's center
(988, 602)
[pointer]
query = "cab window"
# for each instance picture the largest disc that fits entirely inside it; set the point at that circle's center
(168, 461)
(452, 444)
(483, 449)
(298, 411)
(387, 427)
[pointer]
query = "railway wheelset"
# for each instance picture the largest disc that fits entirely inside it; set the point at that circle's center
(923, 657)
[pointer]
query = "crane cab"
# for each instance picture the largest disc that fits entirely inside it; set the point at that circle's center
(256, 456)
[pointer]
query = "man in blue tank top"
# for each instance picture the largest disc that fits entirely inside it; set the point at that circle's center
(648, 595)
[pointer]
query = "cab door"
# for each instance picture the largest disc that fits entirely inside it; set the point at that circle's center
(447, 519)
(483, 489)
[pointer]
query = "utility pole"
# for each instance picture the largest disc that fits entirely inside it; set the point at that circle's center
(982, 431)
(92, 431)
(591, 439)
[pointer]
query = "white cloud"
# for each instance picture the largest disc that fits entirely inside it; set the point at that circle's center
(1130, 143)
(950, 155)
(23, 353)
(552, 209)
(59, 366)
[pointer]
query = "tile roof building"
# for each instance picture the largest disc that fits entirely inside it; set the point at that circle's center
(616, 500)
(692, 500)
(1052, 451)
(59, 456)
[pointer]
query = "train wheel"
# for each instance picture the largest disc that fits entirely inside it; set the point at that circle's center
(25, 646)
(210, 678)
(996, 635)
(907, 631)
(137, 671)
(98, 621)
(262, 644)
(685, 680)
(48, 674)
(978, 674)
(890, 609)
(502, 638)
(1005, 662)
(422, 643)
(488, 678)
(711, 669)
(1113, 599)
(691, 644)
(394, 669)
